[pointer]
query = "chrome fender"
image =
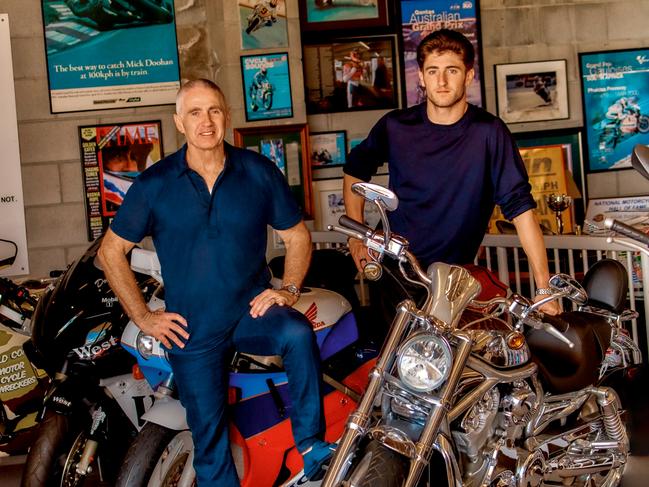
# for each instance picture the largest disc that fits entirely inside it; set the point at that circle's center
(167, 412)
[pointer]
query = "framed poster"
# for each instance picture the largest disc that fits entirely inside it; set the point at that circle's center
(328, 149)
(266, 86)
(350, 75)
(319, 15)
(615, 95)
(117, 56)
(263, 24)
(532, 92)
(331, 205)
(421, 17)
(288, 147)
(546, 167)
(112, 156)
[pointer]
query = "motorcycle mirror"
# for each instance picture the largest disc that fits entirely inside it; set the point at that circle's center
(640, 159)
(8, 252)
(566, 285)
(375, 193)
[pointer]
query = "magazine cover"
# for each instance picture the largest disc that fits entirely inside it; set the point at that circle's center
(103, 55)
(112, 156)
(421, 17)
(267, 86)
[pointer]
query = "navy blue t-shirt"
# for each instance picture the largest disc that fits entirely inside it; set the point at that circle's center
(211, 246)
(447, 178)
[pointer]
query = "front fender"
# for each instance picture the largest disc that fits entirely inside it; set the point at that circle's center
(167, 412)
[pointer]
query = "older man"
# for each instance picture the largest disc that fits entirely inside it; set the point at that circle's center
(207, 207)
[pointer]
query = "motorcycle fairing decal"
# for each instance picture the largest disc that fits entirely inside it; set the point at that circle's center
(89, 352)
(266, 449)
(253, 385)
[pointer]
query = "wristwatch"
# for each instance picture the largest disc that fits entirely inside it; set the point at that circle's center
(293, 289)
(544, 291)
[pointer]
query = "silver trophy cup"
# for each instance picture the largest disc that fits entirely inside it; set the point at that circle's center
(558, 203)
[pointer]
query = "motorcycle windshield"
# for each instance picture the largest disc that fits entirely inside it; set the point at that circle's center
(452, 288)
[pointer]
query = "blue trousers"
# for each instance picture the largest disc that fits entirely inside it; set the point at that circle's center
(202, 381)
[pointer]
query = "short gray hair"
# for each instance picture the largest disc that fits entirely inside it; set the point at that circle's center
(188, 85)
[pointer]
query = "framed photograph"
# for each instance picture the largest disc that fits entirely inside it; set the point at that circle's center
(320, 15)
(112, 156)
(288, 147)
(266, 86)
(328, 149)
(615, 96)
(99, 60)
(350, 75)
(532, 92)
(421, 17)
(263, 24)
(331, 205)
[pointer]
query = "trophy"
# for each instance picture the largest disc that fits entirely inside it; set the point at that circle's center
(558, 203)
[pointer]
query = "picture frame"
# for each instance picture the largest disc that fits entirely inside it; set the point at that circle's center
(294, 160)
(112, 156)
(261, 26)
(614, 87)
(421, 17)
(328, 196)
(351, 75)
(266, 86)
(328, 149)
(325, 15)
(532, 91)
(91, 60)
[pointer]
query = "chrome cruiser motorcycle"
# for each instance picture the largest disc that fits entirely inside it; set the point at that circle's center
(480, 393)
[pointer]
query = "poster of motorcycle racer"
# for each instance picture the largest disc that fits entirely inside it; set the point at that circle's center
(267, 86)
(615, 93)
(421, 17)
(263, 24)
(105, 54)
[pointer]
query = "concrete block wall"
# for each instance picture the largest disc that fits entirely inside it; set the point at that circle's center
(209, 46)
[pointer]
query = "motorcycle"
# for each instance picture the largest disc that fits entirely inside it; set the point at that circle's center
(614, 131)
(261, 16)
(489, 393)
(111, 14)
(93, 406)
(261, 442)
(21, 386)
(262, 96)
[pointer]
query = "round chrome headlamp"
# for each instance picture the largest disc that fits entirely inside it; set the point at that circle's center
(144, 345)
(424, 362)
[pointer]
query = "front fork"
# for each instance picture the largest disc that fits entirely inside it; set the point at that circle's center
(359, 420)
(97, 429)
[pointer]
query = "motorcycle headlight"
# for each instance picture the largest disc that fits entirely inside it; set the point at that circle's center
(145, 345)
(424, 362)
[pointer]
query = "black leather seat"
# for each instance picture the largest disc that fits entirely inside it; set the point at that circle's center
(606, 283)
(563, 369)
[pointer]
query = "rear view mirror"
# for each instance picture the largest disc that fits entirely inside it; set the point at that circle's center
(640, 159)
(570, 288)
(376, 193)
(8, 253)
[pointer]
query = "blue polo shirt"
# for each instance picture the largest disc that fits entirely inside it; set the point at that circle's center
(211, 246)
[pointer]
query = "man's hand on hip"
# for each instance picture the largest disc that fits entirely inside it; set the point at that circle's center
(269, 297)
(166, 327)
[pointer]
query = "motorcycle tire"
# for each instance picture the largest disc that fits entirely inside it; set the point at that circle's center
(143, 455)
(643, 124)
(253, 26)
(379, 467)
(268, 101)
(54, 453)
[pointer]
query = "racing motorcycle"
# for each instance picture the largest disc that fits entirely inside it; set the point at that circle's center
(488, 393)
(614, 131)
(93, 406)
(262, 96)
(260, 436)
(260, 16)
